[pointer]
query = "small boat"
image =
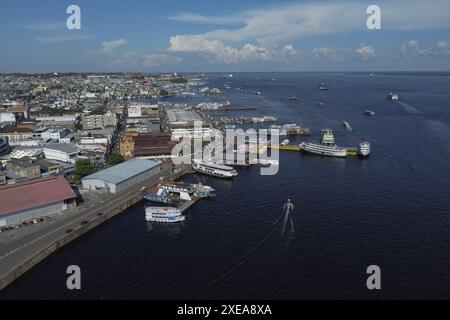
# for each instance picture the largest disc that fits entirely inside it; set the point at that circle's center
(369, 113)
(322, 87)
(285, 142)
(267, 162)
(294, 98)
(163, 214)
(347, 126)
(364, 149)
(392, 96)
(321, 103)
(257, 93)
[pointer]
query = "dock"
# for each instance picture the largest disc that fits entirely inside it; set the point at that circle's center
(352, 152)
(286, 148)
(185, 205)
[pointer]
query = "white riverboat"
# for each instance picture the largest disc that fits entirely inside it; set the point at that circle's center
(364, 149)
(214, 169)
(163, 214)
(326, 147)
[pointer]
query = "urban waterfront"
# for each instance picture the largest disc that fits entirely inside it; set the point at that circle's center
(391, 210)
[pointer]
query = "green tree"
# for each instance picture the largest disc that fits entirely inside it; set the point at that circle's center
(114, 159)
(83, 167)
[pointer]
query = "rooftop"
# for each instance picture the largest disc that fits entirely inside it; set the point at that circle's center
(182, 115)
(34, 193)
(64, 147)
(124, 171)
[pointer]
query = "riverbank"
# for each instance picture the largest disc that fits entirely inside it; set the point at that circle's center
(19, 255)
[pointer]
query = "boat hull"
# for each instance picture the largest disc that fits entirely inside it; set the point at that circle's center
(339, 153)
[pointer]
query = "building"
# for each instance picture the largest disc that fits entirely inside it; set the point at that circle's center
(70, 118)
(24, 168)
(32, 199)
(122, 176)
(99, 121)
(4, 146)
(64, 152)
(16, 136)
(54, 134)
(153, 144)
(6, 116)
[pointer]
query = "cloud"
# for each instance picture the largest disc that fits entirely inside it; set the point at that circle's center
(218, 52)
(153, 59)
(288, 22)
(414, 49)
(61, 38)
(366, 52)
(328, 54)
(110, 47)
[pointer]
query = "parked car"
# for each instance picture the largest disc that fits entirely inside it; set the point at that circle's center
(35, 221)
(69, 230)
(99, 214)
(84, 222)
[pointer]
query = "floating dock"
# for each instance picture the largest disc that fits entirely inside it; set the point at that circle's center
(352, 152)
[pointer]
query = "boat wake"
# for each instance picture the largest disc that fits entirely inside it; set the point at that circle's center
(409, 108)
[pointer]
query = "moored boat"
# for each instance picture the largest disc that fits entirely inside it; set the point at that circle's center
(326, 147)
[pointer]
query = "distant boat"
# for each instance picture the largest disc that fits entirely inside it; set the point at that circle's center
(257, 93)
(369, 113)
(364, 149)
(295, 98)
(285, 142)
(321, 103)
(322, 87)
(392, 96)
(347, 126)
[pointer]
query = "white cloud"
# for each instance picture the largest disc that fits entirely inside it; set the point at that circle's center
(414, 49)
(110, 47)
(218, 52)
(328, 54)
(262, 31)
(366, 52)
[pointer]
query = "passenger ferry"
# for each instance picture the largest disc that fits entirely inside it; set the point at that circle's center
(364, 149)
(213, 169)
(163, 214)
(326, 147)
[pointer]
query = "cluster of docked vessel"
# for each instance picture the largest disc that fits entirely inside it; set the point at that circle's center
(159, 207)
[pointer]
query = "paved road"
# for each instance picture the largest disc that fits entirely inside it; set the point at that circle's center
(18, 250)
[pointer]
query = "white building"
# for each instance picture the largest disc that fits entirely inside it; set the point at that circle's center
(65, 152)
(7, 116)
(54, 134)
(122, 176)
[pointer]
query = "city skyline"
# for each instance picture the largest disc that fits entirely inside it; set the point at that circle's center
(200, 36)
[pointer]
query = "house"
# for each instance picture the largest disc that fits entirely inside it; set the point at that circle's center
(24, 168)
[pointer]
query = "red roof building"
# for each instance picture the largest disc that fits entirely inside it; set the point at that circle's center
(35, 198)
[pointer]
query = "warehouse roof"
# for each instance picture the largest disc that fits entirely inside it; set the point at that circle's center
(64, 147)
(34, 193)
(124, 171)
(182, 115)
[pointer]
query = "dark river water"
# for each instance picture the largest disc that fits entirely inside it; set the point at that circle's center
(349, 213)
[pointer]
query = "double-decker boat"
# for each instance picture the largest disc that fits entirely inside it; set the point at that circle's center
(214, 169)
(163, 214)
(364, 149)
(326, 147)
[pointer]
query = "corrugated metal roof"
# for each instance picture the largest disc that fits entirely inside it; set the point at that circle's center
(124, 171)
(35, 193)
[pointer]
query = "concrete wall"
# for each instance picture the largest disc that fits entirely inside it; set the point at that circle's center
(32, 214)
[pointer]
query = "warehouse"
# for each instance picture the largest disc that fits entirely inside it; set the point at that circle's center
(122, 176)
(33, 199)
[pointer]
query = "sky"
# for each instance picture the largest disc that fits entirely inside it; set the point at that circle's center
(224, 36)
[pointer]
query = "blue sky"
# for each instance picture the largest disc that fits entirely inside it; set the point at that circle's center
(201, 36)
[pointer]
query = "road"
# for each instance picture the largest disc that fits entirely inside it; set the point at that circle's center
(16, 251)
